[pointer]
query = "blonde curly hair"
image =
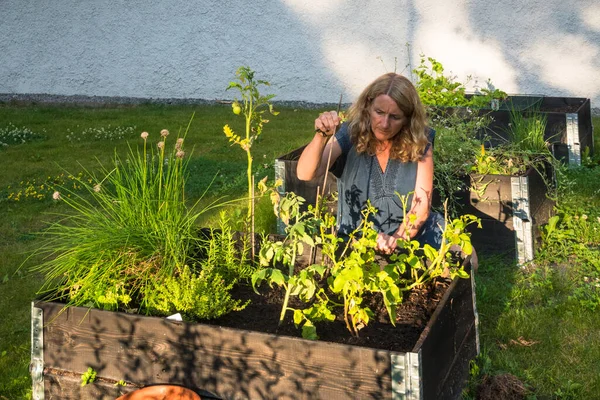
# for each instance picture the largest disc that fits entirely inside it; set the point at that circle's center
(409, 144)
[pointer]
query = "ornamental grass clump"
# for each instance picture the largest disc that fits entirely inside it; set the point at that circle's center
(131, 231)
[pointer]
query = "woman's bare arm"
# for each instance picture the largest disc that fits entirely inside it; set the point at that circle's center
(420, 206)
(421, 201)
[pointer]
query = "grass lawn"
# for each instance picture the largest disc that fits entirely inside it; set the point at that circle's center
(540, 324)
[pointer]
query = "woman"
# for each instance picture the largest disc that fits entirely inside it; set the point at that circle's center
(385, 149)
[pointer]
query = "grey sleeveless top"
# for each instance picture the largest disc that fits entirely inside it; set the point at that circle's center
(362, 179)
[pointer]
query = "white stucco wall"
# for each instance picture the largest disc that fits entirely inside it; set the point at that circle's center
(309, 50)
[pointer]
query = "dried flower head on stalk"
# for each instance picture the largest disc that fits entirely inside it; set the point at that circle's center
(56, 195)
(161, 145)
(164, 133)
(180, 154)
(179, 143)
(144, 135)
(97, 188)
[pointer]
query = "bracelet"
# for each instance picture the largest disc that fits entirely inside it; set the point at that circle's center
(321, 133)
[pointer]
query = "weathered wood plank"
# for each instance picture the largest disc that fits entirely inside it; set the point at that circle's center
(444, 337)
(226, 362)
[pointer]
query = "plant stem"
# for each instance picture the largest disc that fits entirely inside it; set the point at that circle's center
(346, 315)
(249, 155)
(288, 288)
(252, 221)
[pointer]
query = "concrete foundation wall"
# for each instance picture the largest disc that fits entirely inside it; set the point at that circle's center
(309, 50)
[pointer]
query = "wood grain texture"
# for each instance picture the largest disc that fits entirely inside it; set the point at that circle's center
(229, 363)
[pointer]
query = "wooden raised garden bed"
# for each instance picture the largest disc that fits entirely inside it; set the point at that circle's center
(511, 209)
(229, 363)
(569, 123)
(285, 169)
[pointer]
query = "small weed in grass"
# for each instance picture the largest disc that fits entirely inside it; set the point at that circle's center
(11, 135)
(43, 188)
(101, 133)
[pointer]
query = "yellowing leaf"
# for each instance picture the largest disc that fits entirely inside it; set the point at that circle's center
(228, 131)
(262, 185)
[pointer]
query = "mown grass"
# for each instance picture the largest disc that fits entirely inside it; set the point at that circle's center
(533, 324)
(541, 323)
(51, 157)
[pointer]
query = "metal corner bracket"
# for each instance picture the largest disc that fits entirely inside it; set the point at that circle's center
(522, 220)
(36, 366)
(406, 376)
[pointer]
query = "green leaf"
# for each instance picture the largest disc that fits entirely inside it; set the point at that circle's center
(318, 268)
(461, 273)
(277, 277)
(309, 331)
(467, 247)
(257, 278)
(234, 85)
(430, 252)
(298, 317)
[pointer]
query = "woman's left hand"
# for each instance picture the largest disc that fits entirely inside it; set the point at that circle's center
(386, 243)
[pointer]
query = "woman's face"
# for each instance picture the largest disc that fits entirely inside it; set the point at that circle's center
(386, 118)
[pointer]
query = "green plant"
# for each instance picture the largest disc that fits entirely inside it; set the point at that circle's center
(134, 229)
(197, 296)
(527, 131)
(226, 253)
(352, 271)
(489, 96)
(459, 121)
(437, 89)
(355, 274)
(500, 161)
(440, 90)
(299, 231)
(456, 145)
(253, 106)
(88, 376)
(525, 148)
(427, 263)
(101, 133)
(11, 135)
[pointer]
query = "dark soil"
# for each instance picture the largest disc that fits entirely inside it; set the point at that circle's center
(505, 387)
(262, 315)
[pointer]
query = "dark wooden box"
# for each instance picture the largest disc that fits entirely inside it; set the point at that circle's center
(568, 129)
(285, 169)
(227, 363)
(512, 209)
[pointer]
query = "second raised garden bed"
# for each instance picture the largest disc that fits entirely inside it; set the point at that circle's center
(568, 128)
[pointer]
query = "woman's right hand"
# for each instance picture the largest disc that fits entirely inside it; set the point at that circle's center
(327, 123)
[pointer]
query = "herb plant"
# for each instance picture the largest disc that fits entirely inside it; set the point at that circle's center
(527, 131)
(197, 296)
(131, 230)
